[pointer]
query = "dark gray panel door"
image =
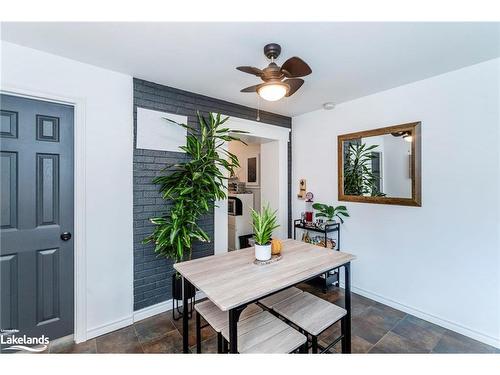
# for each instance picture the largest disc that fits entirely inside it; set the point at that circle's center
(36, 188)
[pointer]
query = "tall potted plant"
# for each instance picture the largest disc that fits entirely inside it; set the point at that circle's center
(264, 223)
(193, 186)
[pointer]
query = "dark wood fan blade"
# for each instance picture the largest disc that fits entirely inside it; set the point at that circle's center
(294, 84)
(250, 88)
(250, 70)
(295, 67)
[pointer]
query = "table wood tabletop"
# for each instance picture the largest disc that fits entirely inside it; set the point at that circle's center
(232, 279)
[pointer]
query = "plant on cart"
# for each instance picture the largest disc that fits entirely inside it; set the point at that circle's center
(331, 212)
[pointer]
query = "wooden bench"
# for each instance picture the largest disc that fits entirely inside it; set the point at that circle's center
(265, 333)
(276, 298)
(217, 319)
(312, 315)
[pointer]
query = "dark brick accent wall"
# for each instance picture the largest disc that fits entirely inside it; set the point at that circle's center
(152, 275)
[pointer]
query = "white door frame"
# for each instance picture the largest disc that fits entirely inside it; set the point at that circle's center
(80, 264)
(275, 133)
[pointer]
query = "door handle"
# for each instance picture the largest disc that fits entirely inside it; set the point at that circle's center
(66, 236)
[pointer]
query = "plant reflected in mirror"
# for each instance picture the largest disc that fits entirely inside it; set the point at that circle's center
(381, 165)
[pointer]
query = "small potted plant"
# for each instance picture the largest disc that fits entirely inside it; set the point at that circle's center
(263, 225)
(331, 212)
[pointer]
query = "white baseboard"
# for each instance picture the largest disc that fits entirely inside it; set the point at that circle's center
(138, 315)
(490, 340)
(159, 308)
(110, 327)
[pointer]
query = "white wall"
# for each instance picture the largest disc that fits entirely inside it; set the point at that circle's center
(269, 156)
(106, 99)
(440, 261)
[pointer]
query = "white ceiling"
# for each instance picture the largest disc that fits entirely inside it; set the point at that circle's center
(348, 60)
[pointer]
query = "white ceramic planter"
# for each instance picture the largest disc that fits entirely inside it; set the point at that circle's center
(262, 252)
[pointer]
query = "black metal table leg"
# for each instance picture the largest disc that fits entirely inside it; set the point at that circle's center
(198, 332)
(234, 316)
(185, 316)
(219, 343)
(315, 344)
(347, 291)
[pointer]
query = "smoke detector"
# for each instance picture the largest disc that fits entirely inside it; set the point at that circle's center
(328, 106)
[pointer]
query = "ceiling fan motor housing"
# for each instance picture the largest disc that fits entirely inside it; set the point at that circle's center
(272, 50)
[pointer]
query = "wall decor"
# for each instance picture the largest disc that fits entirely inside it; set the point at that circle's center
(253, 171)
(373, 165)
(154, 133)
(302, 189)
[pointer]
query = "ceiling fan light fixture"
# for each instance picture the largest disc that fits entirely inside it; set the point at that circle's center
(272, 91)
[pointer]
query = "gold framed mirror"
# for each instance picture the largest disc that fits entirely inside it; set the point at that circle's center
(381, 166)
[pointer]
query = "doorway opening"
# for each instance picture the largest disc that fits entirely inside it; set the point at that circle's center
(261, 180)
(254, 185)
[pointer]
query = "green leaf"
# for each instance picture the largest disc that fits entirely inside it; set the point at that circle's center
(192, 187)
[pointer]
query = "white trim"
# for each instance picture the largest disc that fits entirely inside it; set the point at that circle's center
(159, 308)
(80, 264)
(273, 132)
(109, 327)
(484, 338)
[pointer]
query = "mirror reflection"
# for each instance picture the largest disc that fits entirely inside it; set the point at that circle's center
(378, 166)
(381, 165)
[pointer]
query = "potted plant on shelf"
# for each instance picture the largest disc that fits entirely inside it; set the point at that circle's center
(263, 225)
(192, 187)
(331, 212)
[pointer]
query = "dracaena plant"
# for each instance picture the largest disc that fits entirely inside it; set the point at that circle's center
(264, 223)
(193, 186)
(358, 176)
(330, 212)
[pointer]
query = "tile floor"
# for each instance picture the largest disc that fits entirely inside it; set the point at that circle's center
(376, 328)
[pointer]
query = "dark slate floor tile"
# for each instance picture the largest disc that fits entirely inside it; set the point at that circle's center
(67, 345)
(367, 330)
(209, 346)
(154, 327)
(386, 317)
(206, 332)
(425, 324)
(171, 342)
(393, 343)
(389, 312)
(374, 322)
(420, 336)
(122, 341)
(358, 345)
(452, 342)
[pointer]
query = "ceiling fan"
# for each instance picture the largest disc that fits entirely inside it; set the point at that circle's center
(278, 81)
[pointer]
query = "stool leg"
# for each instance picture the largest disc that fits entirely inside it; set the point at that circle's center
(342, 332)
(304, 349)
(198, 333)
(315, 344)
(219, 343)
(225, 345)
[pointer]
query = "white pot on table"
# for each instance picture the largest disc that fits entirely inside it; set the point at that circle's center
(262, 252)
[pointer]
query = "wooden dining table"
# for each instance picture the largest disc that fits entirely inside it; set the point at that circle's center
(232, 280)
